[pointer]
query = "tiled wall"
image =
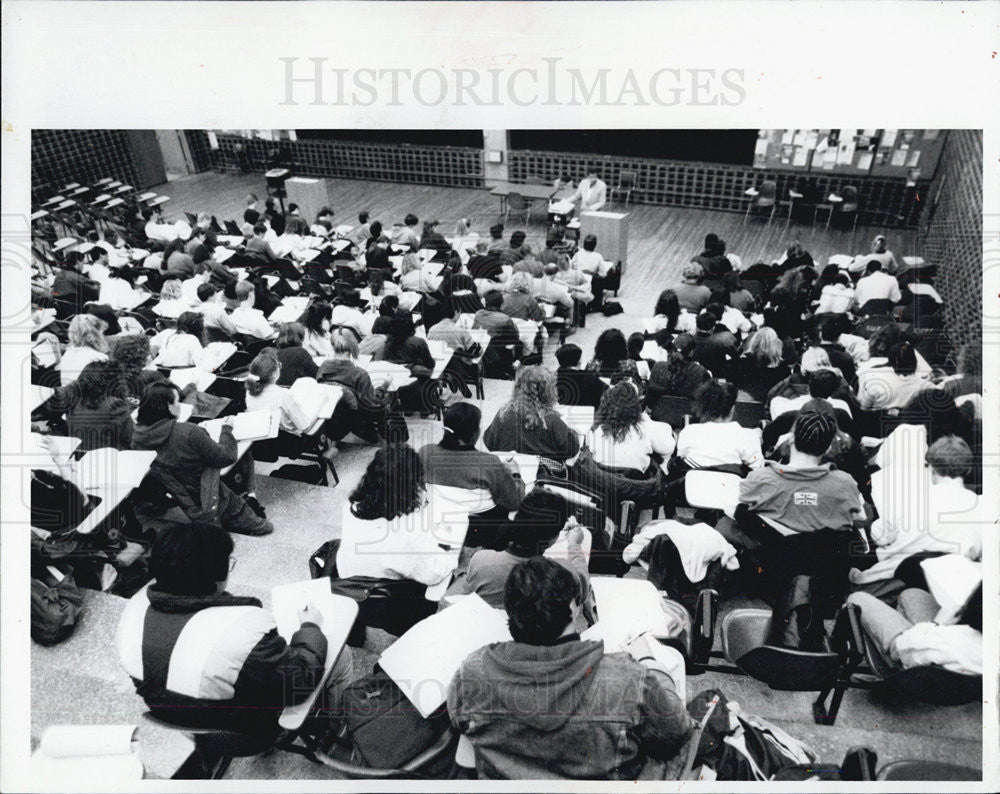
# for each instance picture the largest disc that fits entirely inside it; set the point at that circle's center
(954, 236)
(448, 166)
(62, 156)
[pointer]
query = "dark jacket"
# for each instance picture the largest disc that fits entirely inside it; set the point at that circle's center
(554, 440)
(69, 285)
(295, 363)
(715, 264)
(841, 359)
(691, 378)
(184, 452)
(413, 354)
(522, 306)
(756, 379)
(485, 266)
(579, 387)
(237, 671)
(180, 266)
(355, 379)
(564, 711)
(471, 469)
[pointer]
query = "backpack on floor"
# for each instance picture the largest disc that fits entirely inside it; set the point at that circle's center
(55, 610)
(385, 728)
(738, 746)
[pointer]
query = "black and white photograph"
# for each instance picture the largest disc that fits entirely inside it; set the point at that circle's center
(443, 443)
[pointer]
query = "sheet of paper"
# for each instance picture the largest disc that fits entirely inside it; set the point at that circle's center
(199, 377)
(845, 152)
(951, 579)
(913, 158)
(899, 157)
(865, 161)
(216, 354)
(625, 609)
(424, 660)
(53, 773)
(284, 314)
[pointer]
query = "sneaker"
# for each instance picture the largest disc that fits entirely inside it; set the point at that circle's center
(254, 505)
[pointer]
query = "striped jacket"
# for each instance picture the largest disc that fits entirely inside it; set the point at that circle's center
(216, 660)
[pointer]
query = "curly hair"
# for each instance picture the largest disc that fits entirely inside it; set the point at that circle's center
(533, 397)
(620, 411)
(392, 485)
(410, 263)
(610, 348)
(96, 381)
(131, 352)
(884, 339)
(714, 401)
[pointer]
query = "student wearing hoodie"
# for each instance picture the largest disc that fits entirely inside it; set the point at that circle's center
(548, 705)
(188, 461)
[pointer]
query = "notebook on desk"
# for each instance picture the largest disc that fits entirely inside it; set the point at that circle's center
(339, 614)
(248, 426)
(107, 467)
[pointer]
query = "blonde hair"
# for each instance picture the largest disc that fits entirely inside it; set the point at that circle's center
(766, 346)
(815, 358)
(87, 330)
(410, 263)
(345, 345)
(170, 290)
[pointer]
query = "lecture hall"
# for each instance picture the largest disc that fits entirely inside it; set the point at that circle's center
(506, 455)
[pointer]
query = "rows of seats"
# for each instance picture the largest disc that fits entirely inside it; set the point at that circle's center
(757, 455)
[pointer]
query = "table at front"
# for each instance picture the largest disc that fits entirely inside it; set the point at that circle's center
(530, 192)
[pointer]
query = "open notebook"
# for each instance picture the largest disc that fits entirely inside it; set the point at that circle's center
(247, 426)
(625, 609)
(424, 660)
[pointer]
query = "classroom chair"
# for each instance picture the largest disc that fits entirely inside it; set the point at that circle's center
(518, 203)
(763, 199)
(626, 184)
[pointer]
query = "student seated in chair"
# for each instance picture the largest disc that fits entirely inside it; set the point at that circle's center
(550, 705)
(200, 656)
(481, 481)
(803, 495)
(246, 318)
(576, 386)
(540, 519)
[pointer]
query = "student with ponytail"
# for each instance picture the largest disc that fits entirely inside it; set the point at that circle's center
(263, 393)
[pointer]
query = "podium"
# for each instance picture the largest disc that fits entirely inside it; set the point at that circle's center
(310, 194)
(611, 231)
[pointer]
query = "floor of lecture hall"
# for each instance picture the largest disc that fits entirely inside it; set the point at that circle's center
(662, 240)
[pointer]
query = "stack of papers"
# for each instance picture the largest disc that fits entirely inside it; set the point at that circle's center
(199, 377)
(216, 354)
(625, 609)
(317, 400)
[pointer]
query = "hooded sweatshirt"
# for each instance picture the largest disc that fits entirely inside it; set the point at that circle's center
(183, 452)
(564, 711)
(803, 499)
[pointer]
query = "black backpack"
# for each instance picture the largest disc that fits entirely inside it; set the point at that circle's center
(797, 618)
(55, 610)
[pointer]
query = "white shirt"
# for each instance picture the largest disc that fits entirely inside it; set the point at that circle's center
(552, 291)
(275, 398)
(782, 405)
(587, 261)
(877, 286)
(882, 389)
(189, 289)
(317, 345)
(945, 517)
(634, 451)
(719, 444)
(861, 262)
(212, 311)
(736, 321)
(347, 316)
(835, 299)
(177, 350)
(74, 359)
(592, 194)
(404, 548)
(167, 232)
(118, 294)
(418, 281)
(252, 322)
(171, 308)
